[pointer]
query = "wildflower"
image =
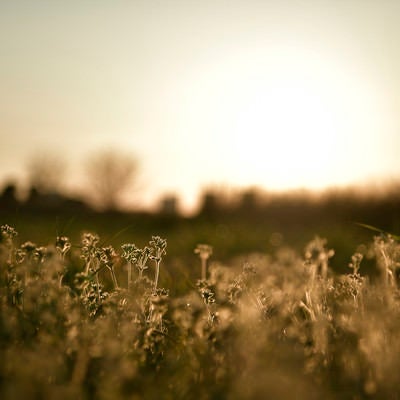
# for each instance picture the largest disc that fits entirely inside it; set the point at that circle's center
(63, 245)
(7, 233)
(130, 252)
(159, 245)
(28, 247)
(355, 262)
(317, 256)
(204, 251)
(107, 256)
(89, 245)
(40, 254)
(158, 248)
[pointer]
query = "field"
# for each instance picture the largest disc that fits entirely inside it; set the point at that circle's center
(85, 319)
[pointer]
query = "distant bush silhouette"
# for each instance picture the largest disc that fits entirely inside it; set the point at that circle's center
(8, 198)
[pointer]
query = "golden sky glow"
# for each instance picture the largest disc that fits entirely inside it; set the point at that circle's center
(282, 94)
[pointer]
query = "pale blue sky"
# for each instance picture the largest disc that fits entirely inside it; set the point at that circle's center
(282, 94)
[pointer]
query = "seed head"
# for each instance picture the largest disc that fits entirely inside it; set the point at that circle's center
(63, 244)
(204, 251)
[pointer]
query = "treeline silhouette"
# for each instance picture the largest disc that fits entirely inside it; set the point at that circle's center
(291, 208)
(366, 205)
(38, 201)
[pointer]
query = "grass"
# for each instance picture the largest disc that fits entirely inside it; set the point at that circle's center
(85, 319)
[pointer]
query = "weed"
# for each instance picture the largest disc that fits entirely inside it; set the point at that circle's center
(74, 325)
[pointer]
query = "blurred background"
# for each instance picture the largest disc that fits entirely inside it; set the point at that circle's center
(249, 125)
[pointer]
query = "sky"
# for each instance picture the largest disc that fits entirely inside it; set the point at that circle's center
(281, 94)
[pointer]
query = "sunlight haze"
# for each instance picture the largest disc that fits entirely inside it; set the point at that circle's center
(281, 94)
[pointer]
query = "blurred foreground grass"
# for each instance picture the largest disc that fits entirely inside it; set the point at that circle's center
(83, 319)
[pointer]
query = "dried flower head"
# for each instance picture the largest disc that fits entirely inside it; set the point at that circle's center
(204, 251)
(89, 245)
(107, 256)
(356, 259)
(63, 244)
(7, 233)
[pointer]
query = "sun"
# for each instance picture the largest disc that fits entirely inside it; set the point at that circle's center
(287, 130)
(290, 117)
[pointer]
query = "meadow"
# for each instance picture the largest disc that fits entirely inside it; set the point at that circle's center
(81, 318)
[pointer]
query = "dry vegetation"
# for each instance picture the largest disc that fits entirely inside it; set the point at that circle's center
(87, 321)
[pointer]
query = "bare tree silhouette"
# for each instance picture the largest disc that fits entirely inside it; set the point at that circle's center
(111, 173)
(46, 172)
